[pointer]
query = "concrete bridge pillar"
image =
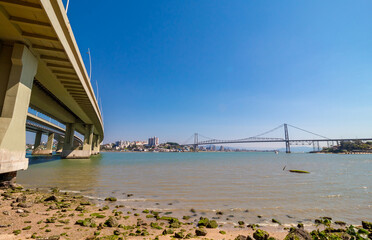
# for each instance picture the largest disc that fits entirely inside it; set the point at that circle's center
(93, 143)
(68, 145)
(49, 147)
(18, 67)
(69, 137)
(70, 149)
(96, 144)
(37, 142)
(88, 138)
(59, 144)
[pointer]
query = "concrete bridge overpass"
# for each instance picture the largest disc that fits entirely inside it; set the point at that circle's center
(41, 126)
(41, 67)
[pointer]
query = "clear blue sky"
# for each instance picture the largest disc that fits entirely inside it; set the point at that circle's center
(228, 69)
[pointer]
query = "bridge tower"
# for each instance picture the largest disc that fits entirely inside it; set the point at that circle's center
(195, 142)
(287, 145)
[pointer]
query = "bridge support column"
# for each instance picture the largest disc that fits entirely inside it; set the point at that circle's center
(196, 140)
(37, 140)
(287, 144)
(88, 138)
(18, 67)
(195, 147)
(59, 144)
(49, 147)
(96, 144)
(69, 148)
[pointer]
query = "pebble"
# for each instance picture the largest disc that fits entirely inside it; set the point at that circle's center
(6, 213)
(20, 211)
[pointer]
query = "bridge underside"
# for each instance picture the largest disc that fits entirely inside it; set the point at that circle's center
(41, 67)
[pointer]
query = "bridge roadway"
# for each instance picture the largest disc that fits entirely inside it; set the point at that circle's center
(41, 67)
(276, 140)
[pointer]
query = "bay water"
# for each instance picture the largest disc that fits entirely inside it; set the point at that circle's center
(250, 186)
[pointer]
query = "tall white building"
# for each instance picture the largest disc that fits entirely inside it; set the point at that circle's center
(154, 141)
(122, 144)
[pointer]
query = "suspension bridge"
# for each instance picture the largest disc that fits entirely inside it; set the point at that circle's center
(315, 140)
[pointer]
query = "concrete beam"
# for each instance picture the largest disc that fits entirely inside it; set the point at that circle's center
(17, 70)
(22, 4)
(29, 22)
(44, 103)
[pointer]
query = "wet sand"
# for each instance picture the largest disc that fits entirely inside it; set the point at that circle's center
(26, 214)
(39, 217)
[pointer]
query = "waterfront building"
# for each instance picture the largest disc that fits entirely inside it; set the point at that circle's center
(154, 141)
(121, 144)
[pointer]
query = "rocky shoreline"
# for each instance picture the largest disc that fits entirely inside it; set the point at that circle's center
(33, 214)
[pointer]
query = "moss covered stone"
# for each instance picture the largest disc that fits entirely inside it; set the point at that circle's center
(200, 232)
(179, 235)
(87, 222)
(51, 220)
(275, 221)
(111, 199)
(155, 225)
(111, 222)
(341, 223)
(298, 234)
(84, 203)
(212, 224)
(203, 222)
(367, 225)
(260, 235)
(52, 198)
(175, 225)
(97, 215)
(167, 231)
(104, 208)
(80, 208)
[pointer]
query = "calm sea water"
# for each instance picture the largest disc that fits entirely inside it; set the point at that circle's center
(339, 186)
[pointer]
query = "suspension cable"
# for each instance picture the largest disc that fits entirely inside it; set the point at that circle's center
(187, 140)
(272, 130)
(308, 131)
(241, 139)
